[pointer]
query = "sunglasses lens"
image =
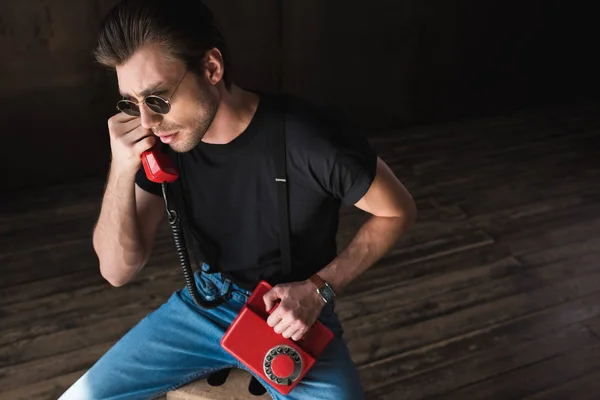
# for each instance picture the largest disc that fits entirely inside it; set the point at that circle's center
(128, 108)
(158, 105)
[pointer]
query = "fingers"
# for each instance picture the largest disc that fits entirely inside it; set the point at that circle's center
(284, 324)
(128, 130)
(134, 136)
(299, 334)
(295, 331)
(287, 325)
(128, 140)
(138, 134)
(144, 144)
(121, 124)
(122, 117)
(274, 319)
(271, 297)
(285, 320)
(289, 331)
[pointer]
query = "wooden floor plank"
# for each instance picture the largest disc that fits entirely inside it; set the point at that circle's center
(61, 259)
(79, 318)
(46, 389)
(377, 280)
(489, 283)
(67, 340)
(593, 324)
(562, 251)
(404, 269)
(15, 376)
(382, 337)
(438, 295)
(32, 237)
(482, 365)
(27, 200)
(55, 312)
(62, 302)
(484, 340)
(581, 225)
(585, 387)
(533, 378)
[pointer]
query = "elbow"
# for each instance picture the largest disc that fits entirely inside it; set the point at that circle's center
(118, 267)
(405, 213)
(117, 273)
(405, 217)
(115, 281)
(112, 276)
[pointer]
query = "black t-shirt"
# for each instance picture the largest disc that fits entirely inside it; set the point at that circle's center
(231, 196)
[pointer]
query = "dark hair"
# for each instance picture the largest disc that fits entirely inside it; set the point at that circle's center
(186, 29)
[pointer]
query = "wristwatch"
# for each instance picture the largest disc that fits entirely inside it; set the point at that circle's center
(323, 288)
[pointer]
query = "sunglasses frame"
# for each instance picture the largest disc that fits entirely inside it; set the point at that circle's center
(144, 100)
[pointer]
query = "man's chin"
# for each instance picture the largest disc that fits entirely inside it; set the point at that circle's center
(183, 146)
(178, 148)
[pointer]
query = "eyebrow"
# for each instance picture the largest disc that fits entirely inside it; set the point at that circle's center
(156, 88)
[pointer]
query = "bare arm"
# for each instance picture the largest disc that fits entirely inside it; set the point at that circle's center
(393, 213)
(129, 216)
(126, 228)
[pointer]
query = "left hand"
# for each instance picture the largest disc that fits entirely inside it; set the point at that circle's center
(298, 309)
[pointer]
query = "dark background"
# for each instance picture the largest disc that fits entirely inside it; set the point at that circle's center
(389, 63)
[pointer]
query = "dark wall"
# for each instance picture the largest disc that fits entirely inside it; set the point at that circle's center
(399, 62)
(389, 63)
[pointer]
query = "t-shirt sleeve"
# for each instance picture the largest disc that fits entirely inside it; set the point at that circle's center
(143, 182)
(352, 170)
(336, 156)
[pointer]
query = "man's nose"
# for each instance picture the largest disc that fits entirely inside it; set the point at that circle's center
(148, 118)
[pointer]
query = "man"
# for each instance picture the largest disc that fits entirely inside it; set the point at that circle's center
(173, 72)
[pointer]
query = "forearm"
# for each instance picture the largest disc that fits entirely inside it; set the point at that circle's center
(373, 240)
(117, 240)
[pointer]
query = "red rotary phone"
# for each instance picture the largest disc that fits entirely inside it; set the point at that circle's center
(279, 361)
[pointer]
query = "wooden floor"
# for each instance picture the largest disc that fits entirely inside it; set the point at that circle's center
(495, 294)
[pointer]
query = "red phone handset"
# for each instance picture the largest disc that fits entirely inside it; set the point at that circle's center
(159, 166)
(279, 361)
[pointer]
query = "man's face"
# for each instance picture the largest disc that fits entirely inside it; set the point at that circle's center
(193, 106)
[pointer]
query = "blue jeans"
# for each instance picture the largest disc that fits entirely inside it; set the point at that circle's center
(179, 343)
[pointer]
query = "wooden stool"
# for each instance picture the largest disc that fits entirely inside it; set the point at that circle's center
(229, 384)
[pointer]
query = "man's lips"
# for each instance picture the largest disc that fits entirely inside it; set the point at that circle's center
(167, 137)
(165, 134)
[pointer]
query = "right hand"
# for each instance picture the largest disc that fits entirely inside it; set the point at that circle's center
(128, 140)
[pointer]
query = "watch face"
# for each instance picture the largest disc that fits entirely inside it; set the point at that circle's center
(327, 293)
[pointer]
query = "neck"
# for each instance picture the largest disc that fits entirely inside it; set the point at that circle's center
(235, 111)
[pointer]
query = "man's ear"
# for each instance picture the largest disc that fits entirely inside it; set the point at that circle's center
(214, 68)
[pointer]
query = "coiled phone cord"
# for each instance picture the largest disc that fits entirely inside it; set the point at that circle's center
(184, 260)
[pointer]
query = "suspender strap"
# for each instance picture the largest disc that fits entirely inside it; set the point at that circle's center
(282, 197)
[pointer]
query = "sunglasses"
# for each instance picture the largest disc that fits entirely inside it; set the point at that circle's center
(155, 103)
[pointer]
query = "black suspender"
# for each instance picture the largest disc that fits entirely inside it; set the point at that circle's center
(282, 196)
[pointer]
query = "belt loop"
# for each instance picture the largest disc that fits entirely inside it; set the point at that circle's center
(225, 288)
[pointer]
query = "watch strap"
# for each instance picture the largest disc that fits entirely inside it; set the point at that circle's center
(317, 281)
